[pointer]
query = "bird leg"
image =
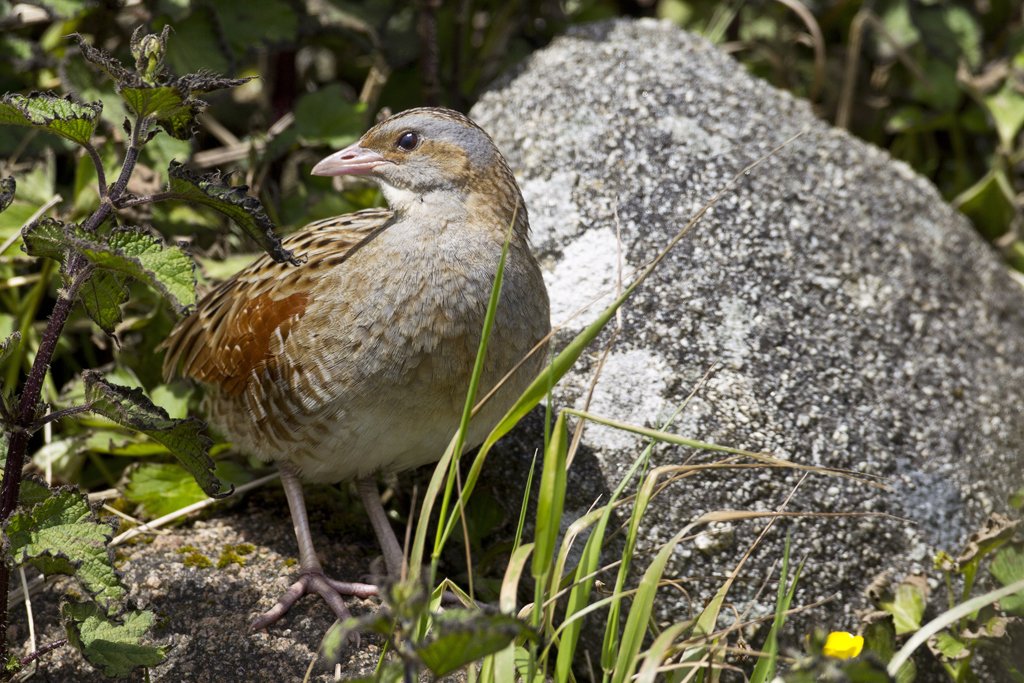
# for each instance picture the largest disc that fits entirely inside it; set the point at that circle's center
(394, 558)
(311, 575)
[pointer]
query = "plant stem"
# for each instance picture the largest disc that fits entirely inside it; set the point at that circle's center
(146, 199)
(49, 647)
(78, 270)
(26, 414)
(60, 414)
(130, 157)
(20, 434)
(101, 175)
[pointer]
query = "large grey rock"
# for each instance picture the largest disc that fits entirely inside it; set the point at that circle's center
(856, 320)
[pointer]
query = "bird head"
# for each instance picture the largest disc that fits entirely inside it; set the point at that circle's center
(426, 155)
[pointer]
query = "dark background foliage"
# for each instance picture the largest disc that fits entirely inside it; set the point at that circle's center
(938, 84)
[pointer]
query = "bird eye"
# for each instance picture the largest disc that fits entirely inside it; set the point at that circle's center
(408, 141)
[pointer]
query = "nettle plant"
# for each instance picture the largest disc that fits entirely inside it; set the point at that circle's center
(54, 528)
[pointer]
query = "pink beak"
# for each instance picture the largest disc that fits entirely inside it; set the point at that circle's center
(353, 160)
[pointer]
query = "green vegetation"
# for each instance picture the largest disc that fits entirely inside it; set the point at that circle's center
(938, 84)
(88, 290)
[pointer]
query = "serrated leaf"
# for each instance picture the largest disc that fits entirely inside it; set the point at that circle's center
(945, 645)
(907, 607)
(7, 187)
(333, 644)
(102, 296)
(140, 255)
(115, 648)
(161, 101)
(204, 81)
(60, 535)
(184, 438)
(176, 113)
(32, 491)
(464, 636)
(8, 345)
(46, 238)
(75, 121)
(997, 530)
(162, 488)
(247, 212)
(174, 104)
(149, 90)
(103, 59)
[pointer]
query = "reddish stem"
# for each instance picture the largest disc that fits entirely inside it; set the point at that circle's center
(79, 270)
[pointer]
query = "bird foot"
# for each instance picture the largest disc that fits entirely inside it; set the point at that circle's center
(313, 581)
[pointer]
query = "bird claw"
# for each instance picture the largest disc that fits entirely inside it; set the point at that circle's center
(330, 590)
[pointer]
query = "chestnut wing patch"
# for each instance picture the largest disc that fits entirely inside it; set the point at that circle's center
(244, 344)
(238, 327)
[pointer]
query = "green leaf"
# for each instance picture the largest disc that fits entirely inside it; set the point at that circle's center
(247, 212)
(764, 670)
(197, 43)
(162, 488)
(246, 25)
(333, 645)
(880, 639)
(184, 438)
(947, 646)
(102, 296)
(938, 88)
(550, 499)
(115, 648)
(643, 603)
(864, 670)
(1016, 499)
(949, 32)
(33, 490)
(461, 636)
(989, 203)
(173, 397)
(327, 117)
(60, 535)
(65, 117)
(7, 187)
(46, 238)
(906, 607)
(1006, 106)
(161, 101)
(1008, 567)
(136, 253)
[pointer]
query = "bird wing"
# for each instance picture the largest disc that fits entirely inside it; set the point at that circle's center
(236, 326)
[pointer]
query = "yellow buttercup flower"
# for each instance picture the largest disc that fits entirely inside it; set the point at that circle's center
(843, 645)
